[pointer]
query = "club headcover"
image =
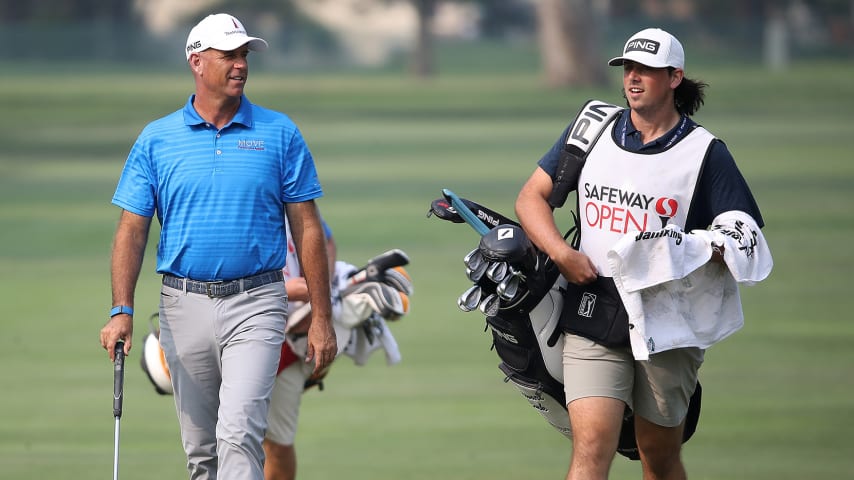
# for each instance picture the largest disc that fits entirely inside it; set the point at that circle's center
(399, 278)
(509, 243)
(383, 299)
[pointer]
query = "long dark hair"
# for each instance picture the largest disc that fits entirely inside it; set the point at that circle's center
(689, 96)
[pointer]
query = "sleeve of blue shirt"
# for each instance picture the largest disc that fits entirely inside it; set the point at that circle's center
(301, 182)
(135, 191)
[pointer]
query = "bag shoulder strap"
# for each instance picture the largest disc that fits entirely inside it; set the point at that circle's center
(587, 127)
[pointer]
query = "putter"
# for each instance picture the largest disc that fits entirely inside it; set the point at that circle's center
(118, 396)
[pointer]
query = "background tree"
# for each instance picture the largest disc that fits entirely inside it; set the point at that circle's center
(568, 32)
(423, 56)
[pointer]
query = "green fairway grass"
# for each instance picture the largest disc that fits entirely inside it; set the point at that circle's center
(778, 395)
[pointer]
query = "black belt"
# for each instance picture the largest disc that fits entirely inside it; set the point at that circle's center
(223, 288)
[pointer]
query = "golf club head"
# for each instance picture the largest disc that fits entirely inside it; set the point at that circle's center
(489, 306)
(476, 274)
(497, 271)
(509, 243)
(470, 299)
(509, 287)
(473, 259)
(442, 209)
(375, 267)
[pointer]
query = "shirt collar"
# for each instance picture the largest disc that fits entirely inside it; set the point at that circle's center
(632, 136)
(243, 115)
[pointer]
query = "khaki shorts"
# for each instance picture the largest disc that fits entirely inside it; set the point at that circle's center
(657, 389)
(285, 401)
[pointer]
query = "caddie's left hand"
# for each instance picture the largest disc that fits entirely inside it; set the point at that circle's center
(717, 253)
(322, 344)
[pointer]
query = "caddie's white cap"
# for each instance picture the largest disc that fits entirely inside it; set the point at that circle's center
(654, 48)
(222, 32)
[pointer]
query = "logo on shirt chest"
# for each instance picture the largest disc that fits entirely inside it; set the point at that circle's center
(621, 211)
(250, 145)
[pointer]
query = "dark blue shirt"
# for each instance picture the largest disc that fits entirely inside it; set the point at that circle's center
(720, 188)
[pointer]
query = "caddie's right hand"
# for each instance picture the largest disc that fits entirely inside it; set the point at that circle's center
(117, 328)
(576, 267)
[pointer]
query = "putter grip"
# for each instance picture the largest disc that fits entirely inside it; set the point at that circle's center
(118, 379)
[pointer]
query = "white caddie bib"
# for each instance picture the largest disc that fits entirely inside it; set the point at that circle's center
(621, 191)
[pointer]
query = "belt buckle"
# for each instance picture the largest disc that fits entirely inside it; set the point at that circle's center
(209, 290)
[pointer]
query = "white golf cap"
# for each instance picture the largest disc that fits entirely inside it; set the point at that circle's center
(654, 48)
(222, 32)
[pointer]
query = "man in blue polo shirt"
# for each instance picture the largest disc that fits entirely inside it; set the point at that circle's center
(222, 176)
(652, 168)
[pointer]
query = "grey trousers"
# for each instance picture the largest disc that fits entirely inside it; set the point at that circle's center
(222, 355)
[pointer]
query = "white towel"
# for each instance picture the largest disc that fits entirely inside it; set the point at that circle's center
(674, 296)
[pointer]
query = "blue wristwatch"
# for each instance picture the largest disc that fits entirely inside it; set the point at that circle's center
(119, 309)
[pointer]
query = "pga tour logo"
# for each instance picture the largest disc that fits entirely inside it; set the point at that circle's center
(642, 45)
(588, 302)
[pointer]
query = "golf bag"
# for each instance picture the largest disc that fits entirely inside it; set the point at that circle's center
(369, 296)
(520, 292)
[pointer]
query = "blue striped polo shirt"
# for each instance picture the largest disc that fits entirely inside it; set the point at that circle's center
(219, 195)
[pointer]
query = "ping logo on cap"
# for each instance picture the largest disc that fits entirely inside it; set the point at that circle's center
(194, 46)
(642, 45)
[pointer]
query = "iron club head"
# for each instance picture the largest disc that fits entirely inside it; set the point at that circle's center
(470, 299)
(497, 271)
(489, 305)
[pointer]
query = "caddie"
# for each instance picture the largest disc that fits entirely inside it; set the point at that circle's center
(635, 331)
